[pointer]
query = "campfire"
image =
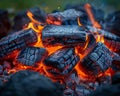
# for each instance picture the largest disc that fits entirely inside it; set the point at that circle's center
(74, 47)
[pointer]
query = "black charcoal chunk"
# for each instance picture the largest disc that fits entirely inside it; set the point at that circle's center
(17, 40)
(4, 23)
(63, 35)
(31, 55)
(62, 61)
(29, 83)
(98, 60)
(65, 16)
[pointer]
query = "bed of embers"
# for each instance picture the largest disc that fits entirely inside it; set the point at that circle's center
(70, 53)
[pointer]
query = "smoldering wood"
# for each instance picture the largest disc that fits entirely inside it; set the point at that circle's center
(70, 14)
(63, 35)
(17, 40)
(106, 34)
(31, 55)
(62, 61)
(89, 45)
(113, 45)
(98, 60)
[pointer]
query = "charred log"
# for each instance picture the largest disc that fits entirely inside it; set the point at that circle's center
(31, 55)
(62, 61)
(64, 35)
(16, 41)
(98, 60)
(62, 17)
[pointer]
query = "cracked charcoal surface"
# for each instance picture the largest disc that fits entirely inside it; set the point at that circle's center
(21, 83)
(98, 60)
(31, 55)
(70, 14)
(63, 35)
(16, 40)
(63, 60)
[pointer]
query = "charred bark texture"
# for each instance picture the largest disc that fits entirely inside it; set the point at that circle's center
(98, 60)
(31, 55)
(17, 40)
(63, 35)
(62, 61)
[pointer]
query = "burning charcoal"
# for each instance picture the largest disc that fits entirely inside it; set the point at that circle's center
(62, 17)
(90, 43)
(113, 45)
(21, 19)
(63, 35)
(112, 23)
(62, 61)
(31, 55)
(17, 40)
(97, 13)
(98, 60)
(4, 23)
(21, 83)
(116, 78)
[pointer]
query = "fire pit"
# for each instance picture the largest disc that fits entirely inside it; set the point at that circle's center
(75, 49)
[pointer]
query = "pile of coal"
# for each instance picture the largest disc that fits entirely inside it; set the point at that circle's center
(29, 83)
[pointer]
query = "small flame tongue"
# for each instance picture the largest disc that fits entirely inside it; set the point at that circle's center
(34, 24)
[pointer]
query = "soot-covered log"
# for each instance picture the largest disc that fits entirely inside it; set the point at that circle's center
(21, 83)
(113, 45)
(62, 17)
(98, 60)
(64, 35)
(31, 55)
(16, 40)
(106, 34)
(62, 61)
(111, 40)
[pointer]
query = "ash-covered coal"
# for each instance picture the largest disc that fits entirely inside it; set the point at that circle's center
(29, 83)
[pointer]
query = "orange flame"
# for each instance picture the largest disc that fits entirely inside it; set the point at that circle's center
(91, 16)
(34, 24)
(78, 20)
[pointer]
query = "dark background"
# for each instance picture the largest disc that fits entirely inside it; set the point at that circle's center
(49, 5)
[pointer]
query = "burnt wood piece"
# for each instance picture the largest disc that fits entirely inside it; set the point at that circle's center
(17, 40)
(113, 45)
(111, 40)
(31, 55)
(90, 43)
(63, 35)
(62, 17)
(98, 60)
(4, 23)
(62, 61)
(106, 34)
